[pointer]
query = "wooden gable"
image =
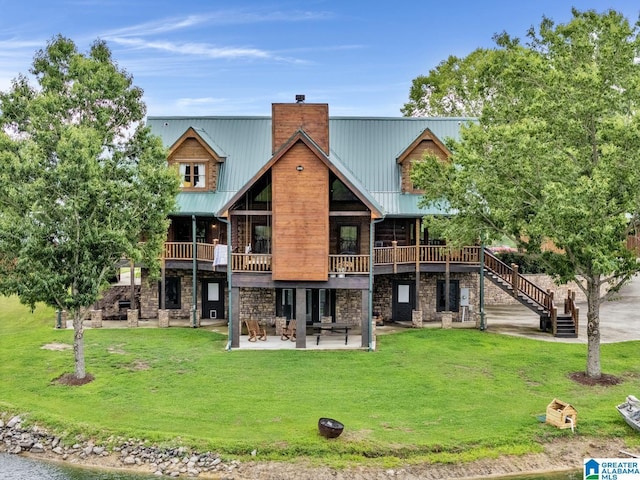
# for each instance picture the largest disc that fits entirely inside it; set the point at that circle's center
(191, 149)
(426, 143)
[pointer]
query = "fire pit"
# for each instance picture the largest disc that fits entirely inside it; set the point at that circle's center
(330, 428)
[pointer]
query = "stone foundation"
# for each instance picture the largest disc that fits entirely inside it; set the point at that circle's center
(416, 318)
(447, 318)
(96, 318)
(163, 318)
(132, 318)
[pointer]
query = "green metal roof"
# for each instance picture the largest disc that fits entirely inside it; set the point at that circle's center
(365, 150)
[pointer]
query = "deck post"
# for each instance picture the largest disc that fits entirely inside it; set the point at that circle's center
(514, 279)
(394, 245)
(301, 318)
(417, 227)
(194, 296)
(482, 323)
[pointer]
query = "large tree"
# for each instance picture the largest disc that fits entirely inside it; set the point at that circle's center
(83, 183)
(555, 156)
(457, 87)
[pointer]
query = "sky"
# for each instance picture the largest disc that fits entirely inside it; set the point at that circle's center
(237, 57)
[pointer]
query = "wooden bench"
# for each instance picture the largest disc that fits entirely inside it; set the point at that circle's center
(332, 328)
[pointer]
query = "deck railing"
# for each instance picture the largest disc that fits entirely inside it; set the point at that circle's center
(250, 262)
(348, 264)
(396, 255)
(184, 251)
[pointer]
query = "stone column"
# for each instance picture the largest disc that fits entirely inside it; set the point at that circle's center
(447, 318)
(96, 318)
(132, 318)
(416, 318)
(163, 318)
(281, 323)
(326, 320)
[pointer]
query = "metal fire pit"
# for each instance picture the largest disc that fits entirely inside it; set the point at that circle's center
(330, 428)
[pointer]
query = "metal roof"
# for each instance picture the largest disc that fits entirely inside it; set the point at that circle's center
(364, 149)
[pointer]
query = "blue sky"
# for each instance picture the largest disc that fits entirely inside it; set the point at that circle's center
(238, 57)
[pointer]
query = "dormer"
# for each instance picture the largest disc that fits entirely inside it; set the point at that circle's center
(198, 160)
(426, 143)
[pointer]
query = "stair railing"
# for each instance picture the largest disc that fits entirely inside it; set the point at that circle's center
(519, 283)
(570, 307)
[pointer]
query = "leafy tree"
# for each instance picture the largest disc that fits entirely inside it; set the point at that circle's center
(457, 87)
(555, 156)
(82, 182)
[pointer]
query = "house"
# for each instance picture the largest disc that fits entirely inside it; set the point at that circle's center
(306, 217)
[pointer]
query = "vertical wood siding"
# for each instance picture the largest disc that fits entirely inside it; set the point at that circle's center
(300, 216)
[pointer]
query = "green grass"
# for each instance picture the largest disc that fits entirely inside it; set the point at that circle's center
(434, 395)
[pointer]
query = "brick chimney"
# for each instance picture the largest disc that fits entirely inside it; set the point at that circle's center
(288, 118)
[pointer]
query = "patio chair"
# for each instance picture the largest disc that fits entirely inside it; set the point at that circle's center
(289, 333)
(256, 331)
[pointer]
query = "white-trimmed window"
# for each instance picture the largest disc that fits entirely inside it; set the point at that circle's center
(193, 175)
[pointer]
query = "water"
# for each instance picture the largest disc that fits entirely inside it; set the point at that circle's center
(13, 467)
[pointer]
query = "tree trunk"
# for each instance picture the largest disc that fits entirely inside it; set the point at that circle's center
(78, 345)
(593, 328)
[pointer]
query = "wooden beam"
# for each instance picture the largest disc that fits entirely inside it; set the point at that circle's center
(351, 213)
(250, 212)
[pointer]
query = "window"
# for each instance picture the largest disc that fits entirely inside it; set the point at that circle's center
(171, 293)
(261, 239)
(285, 303)
(192, 175)
(340, 193)
(454, 296)
(348, 241)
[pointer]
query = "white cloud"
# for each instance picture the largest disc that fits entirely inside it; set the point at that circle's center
(199, 49)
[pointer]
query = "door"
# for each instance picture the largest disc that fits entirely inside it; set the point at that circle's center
(320, 303)
(212, 298)
(404, 300)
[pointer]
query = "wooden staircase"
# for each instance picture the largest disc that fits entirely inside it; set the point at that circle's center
(563, 325)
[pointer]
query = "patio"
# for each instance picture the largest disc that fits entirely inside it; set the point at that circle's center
(273, 341)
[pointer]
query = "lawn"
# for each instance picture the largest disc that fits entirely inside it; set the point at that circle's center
(438, 395)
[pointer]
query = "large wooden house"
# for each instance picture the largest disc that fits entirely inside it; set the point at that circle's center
(306, 217)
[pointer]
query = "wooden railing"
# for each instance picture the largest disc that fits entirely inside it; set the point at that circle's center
(570, 307)
(348, 264)
(250, 262)
(519, 283)
(353, 264)
(396, 255)
(184, 251)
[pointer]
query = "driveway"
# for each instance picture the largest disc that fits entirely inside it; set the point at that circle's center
(619, 319)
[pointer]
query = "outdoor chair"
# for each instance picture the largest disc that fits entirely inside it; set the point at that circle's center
(256, 331)
(289, 333)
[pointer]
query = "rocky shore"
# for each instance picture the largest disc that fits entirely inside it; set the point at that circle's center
(131, 454)
(138, 455)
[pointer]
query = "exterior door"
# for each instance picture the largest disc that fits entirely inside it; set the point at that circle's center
(212, 298)
(404, 300)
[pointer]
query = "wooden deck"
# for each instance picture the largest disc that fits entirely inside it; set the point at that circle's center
(338, 264)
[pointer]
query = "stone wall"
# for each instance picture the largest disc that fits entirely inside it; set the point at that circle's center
(149, 296)
(494, 295)
(383, 294)
(349, 307)
(258, 303)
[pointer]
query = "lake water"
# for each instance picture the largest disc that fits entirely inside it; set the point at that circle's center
(13, 467)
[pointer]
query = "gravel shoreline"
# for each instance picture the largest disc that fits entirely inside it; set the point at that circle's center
(136, 455)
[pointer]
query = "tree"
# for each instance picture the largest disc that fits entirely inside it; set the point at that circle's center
(83, 183)
(555, 156)
(457, 87)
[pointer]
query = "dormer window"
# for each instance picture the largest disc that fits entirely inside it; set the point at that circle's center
(193, 174)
